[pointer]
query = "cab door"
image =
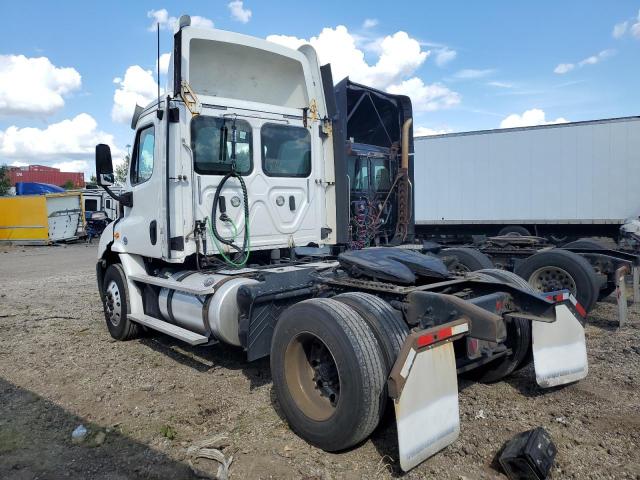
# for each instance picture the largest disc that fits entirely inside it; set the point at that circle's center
(140, 231)
(291, 204)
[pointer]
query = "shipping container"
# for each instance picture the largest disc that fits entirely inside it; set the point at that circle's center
(573, 179)
(41, 219)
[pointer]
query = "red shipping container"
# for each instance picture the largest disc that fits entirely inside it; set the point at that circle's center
(44, 174)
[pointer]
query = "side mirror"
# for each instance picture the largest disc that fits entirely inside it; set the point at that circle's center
(104, 165)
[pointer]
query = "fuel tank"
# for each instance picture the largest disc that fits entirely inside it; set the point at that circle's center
(215, 314)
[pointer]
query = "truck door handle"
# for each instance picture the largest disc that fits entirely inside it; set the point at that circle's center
(153, 232)
(292, 203)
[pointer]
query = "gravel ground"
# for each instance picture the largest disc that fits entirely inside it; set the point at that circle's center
(145, 402)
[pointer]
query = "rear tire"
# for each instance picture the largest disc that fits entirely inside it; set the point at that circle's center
(519, 341)
(509, 278)
(517, 229)
(558, 269)
(517, 281)
(466, 259)
(389, 329)
(115, 302)
(328, 373)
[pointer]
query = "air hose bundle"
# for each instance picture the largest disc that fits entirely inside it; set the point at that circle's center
(243, 251)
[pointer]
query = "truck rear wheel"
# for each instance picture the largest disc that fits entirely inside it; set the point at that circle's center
(115, 301)
(519, 342)
(328, 373)
(465, 259)
(389, 329)
(559, 269)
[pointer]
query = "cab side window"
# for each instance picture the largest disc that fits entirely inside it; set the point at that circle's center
(142, 159)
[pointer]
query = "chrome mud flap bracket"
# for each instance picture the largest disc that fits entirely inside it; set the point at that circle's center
(424, 386)
(559, 347)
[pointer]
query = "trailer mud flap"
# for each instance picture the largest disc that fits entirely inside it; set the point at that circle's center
(424, 386)
(559, 349)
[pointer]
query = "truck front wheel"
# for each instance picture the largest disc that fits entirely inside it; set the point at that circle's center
(115, 300)
(328, 373)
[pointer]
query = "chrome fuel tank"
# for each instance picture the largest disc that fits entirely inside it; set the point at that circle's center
(215, 314)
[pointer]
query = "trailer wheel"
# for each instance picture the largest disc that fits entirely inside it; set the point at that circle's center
(465, 259)
(559, 269)
(115, 301)
(328, 373)
(517, 229)
(519, 341)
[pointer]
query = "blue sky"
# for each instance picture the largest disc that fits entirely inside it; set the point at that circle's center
(467, 65)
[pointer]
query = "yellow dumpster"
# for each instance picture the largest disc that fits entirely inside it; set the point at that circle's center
(41, 219)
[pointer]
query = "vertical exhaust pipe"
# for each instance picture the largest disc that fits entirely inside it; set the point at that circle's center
(404, 213)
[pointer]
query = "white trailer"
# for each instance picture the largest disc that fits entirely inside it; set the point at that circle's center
(241, 163)
(562, 181)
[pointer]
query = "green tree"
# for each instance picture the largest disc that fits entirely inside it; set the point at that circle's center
(69, 185)
(122, 171)
(5, 183)
(93, 179)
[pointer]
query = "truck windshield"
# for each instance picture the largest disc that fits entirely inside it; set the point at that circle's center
(205, 143)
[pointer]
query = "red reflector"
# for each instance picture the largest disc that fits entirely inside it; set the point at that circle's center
(444, 333)
(581, 310)
(424, 340)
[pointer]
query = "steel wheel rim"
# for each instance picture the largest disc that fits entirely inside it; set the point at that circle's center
(312, 376)
(551, 279)
(113, 303)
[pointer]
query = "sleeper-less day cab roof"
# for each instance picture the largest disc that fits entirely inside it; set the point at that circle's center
(230, 69)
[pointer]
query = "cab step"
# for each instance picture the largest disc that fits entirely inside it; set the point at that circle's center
(170, 329)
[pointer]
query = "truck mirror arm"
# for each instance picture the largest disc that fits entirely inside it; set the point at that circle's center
(126, 199)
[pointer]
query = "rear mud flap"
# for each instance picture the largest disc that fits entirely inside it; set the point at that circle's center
(424, 385)
(559, 349)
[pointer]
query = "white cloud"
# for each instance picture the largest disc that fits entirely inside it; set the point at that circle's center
(170, 23)
(399, 56)
(563, 68)
(370, 23)
(137, 87)
(426, 131)
(499, 84)
(532, 117)
(426, 98)
(164, 63)
(238, 12)
(72, 166)
(619, 29)
(69, 144)
(593, 59)
(34, 86)
(635, 28)
(471, 73)
(444, 56)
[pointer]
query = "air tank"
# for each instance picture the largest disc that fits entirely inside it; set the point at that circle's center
(216, 314)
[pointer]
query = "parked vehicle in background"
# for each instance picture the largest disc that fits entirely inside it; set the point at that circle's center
(562, 182)
(95, 200)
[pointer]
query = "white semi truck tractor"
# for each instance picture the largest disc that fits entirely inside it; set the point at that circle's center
(240, 227)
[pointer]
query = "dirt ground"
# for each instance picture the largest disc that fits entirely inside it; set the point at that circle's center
(145, 402)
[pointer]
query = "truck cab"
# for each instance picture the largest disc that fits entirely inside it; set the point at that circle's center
(257, 206)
